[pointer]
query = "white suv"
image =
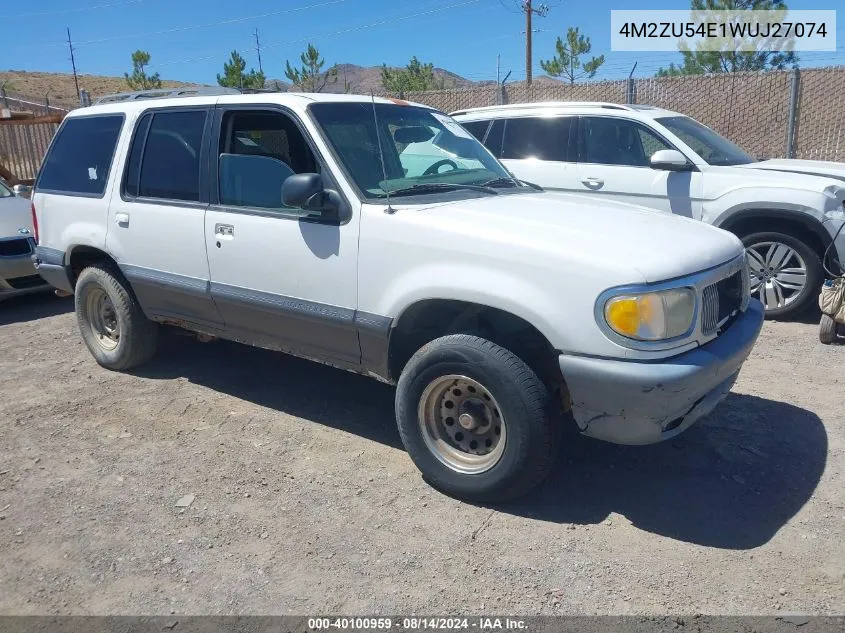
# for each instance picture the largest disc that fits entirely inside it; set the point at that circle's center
(304, 223)
(787, 212)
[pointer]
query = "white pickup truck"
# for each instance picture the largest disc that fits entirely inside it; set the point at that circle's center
(326, 226)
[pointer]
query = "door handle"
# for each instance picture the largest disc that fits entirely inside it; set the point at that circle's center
(224, 230)
(121, 219)
(593, 183)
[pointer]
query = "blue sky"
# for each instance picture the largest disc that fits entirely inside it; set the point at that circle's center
(190, 39)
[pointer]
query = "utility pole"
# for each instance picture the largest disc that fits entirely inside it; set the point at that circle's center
(530, 10)
(72, 62)
(258, 50)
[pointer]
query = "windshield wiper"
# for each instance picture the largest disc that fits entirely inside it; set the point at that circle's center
(514, 182)
(435, 187)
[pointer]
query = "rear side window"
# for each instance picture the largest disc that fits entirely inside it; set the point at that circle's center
(81, 156)
(164, 161)
(477, 128)
(542, 138)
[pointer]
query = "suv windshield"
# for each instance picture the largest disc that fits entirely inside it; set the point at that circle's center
(5, 192)
(421, 148)
(714, 149)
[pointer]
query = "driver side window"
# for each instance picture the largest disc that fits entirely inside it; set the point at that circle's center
(258, 151)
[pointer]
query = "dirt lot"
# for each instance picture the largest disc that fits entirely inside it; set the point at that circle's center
(305, 501)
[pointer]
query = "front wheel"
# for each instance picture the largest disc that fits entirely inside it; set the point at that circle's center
(475, 419)
(785, 273)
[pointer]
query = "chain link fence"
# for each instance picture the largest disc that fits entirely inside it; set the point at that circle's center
(770, 115)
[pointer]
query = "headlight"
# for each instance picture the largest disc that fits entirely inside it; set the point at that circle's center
(651, 316)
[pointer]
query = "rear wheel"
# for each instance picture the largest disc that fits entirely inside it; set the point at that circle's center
(785, 272)
(475, 419)
(113, 326)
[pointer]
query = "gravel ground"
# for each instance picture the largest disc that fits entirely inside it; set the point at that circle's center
(305, 502)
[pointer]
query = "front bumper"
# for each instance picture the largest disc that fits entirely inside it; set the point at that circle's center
(637, 402)
(18, 276)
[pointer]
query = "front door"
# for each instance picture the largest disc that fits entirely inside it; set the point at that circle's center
(613, 163)
(280, 277)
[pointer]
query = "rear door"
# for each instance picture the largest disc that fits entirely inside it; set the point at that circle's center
(537, 149)
(613, 163)
(157, 216)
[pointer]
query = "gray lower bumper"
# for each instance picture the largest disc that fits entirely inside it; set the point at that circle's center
(635, 402)
(50, 264)
(17, 276)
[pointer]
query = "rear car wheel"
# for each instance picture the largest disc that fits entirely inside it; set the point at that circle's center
(785, 273)
(113, 326)
(475, 419)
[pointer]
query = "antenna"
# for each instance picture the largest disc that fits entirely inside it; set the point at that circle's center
(389, 209)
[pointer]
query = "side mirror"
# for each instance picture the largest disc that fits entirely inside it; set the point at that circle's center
(22, 191)
(305, 191)
(669, 160)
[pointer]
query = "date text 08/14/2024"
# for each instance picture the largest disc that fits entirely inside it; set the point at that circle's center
(415, 623)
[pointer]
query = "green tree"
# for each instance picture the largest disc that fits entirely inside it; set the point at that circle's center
(568, 61)
(415, 77)
(310, 76)
(139, 80)
(235, 77)
(700, 62)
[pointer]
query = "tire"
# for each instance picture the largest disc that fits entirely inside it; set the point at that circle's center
(782, 301)
(507, 395)
(113, 326)
(827, 329)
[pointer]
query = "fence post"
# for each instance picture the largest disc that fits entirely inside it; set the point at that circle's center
(794, 82)
(631, 92)
(3, 97)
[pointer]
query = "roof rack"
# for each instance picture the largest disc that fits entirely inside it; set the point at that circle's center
(547, 104)
(199, 91)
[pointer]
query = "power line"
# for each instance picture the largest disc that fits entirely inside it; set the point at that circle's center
(192, 27)
(322, 36)
(76, 10)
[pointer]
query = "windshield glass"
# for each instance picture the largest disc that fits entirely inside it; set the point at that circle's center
(715, 149)
(421, 147)
(5, 192)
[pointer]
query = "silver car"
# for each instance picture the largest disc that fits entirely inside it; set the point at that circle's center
(17, 243)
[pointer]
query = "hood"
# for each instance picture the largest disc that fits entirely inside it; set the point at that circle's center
(827, 169)
(15, 214)
(656, 245)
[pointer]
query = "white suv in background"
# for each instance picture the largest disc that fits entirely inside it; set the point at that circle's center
(787, 212)
(383, 238)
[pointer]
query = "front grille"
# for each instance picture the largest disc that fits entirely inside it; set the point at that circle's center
(15, 247)
(722, 301)
(22, 283)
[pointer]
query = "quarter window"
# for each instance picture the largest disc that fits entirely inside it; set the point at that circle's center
(612, 141)
(170, 161)
(542, 138)
(81, 156)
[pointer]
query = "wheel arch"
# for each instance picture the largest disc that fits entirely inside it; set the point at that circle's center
(81, 255)
(425, 320)
(800, 225)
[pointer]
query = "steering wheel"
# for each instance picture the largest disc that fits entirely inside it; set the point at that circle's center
(435, 168)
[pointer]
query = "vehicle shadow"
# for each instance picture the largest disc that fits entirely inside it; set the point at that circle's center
(731, 481)
(33, 307)
(302, 388)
